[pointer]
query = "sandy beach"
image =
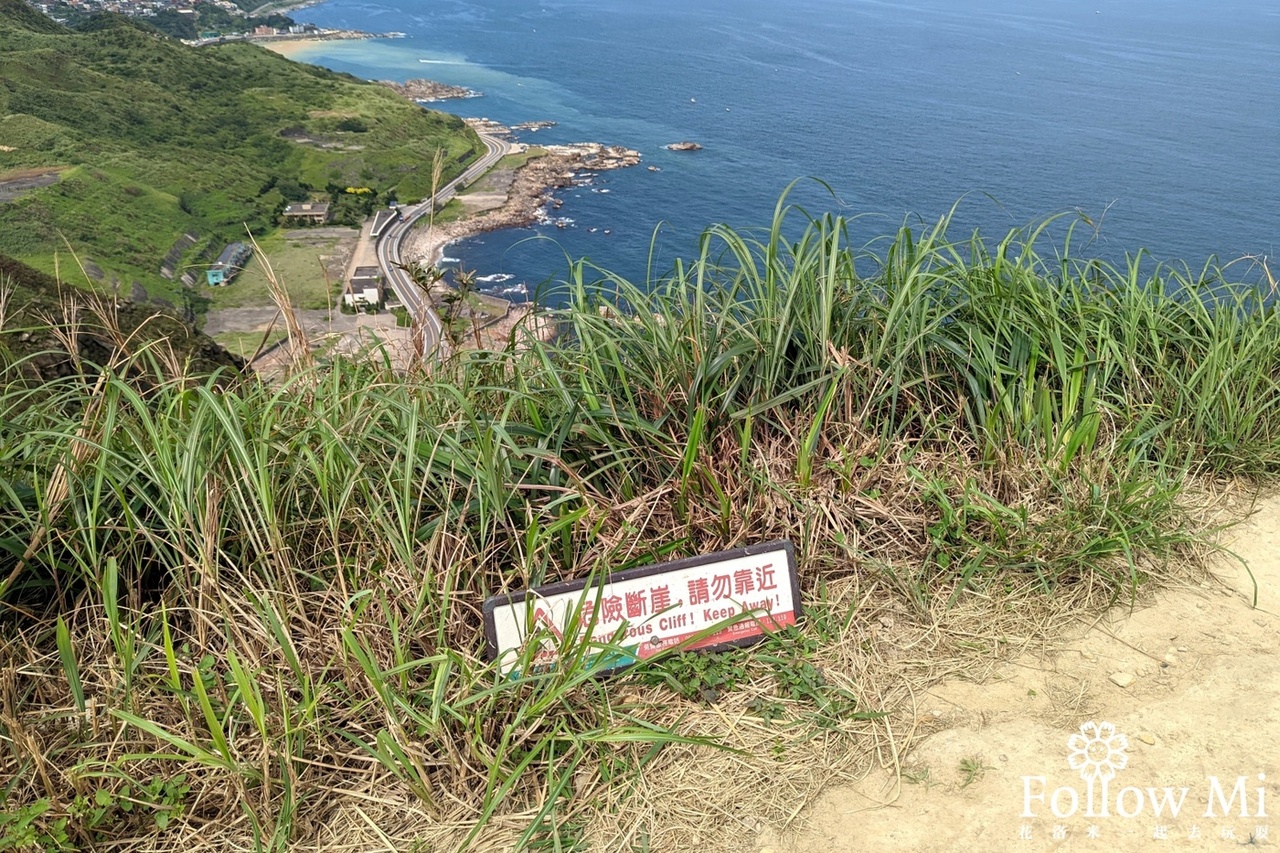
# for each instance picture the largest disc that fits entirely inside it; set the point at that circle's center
(296, 47)
(291, 48)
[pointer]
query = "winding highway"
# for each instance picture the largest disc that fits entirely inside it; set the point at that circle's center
(391, 242)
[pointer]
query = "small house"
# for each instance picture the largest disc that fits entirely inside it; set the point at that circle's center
(364, 288)
(229, 263)
(312, 212)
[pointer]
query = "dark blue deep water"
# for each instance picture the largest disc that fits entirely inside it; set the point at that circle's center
(1158, 120)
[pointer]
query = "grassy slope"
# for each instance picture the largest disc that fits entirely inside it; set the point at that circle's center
(296, 265)
(271, 594)
(37, 315)
(167, 139)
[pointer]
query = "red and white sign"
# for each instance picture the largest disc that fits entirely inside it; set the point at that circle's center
(714, 601)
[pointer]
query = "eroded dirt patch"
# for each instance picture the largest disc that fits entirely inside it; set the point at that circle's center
(1200, 701)
(14, 185)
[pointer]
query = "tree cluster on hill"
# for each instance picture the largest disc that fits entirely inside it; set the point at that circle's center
(209, 17)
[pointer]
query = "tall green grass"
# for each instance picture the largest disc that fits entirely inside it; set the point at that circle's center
(268, 587)
(1012, 342)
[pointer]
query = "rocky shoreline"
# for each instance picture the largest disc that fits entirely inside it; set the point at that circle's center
(530, 193)
(429, 90)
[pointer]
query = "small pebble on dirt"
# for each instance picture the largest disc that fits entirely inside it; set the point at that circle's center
(1122, 679)
(1148, 739)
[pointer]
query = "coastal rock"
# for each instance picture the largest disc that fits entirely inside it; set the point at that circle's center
(490, 127)
(428, 90)
(529, 195)
(683, 146)
(594, 156)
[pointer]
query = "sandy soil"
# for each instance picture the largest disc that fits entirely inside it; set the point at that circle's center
(332, 332)
(1202, 702)
(259, 319)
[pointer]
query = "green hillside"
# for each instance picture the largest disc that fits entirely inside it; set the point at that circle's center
(50, 330)
(151, 139)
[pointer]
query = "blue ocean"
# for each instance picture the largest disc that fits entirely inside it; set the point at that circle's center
(1158, 121)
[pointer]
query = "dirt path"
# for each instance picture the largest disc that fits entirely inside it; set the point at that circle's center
(1202, 701)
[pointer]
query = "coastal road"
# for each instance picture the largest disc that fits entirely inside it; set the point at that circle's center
(391, 244)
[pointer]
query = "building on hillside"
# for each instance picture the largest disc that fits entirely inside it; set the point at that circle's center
(229, 263)
(382, 219)
(313, 212)
(364, 288)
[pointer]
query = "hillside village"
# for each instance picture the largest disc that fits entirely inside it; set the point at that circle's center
(192, 21)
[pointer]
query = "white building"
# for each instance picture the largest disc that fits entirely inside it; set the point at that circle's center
(364, 288)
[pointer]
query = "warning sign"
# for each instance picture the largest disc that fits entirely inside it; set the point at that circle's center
(731, 598)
